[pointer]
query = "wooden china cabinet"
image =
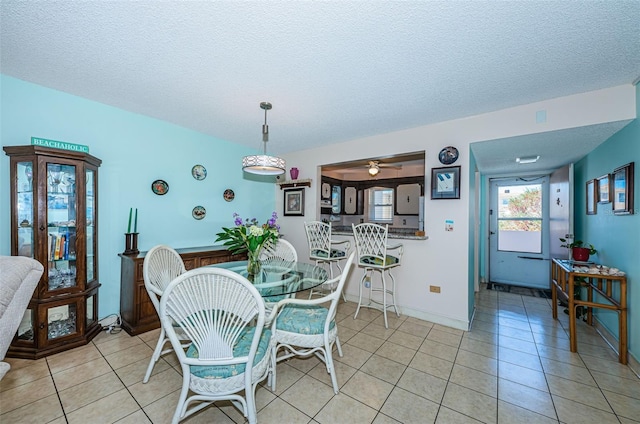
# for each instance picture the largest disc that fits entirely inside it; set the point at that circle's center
(54, 220)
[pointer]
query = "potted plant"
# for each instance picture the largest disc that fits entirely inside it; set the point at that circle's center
(580, 251)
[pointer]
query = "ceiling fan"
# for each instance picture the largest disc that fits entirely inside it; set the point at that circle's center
(374, 167)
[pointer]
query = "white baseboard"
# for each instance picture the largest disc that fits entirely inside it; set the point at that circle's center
(426, 316)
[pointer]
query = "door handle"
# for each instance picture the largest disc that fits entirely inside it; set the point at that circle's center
(492, 232)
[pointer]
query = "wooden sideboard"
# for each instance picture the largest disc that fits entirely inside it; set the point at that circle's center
(136, 310)
(603, 291)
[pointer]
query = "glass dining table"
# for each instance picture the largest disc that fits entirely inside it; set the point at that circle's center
(274, 281)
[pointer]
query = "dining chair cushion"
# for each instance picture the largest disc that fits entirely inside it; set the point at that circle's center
(303, 319)
(372, 260)
(240, 349)
(335, 253)
(267, 294)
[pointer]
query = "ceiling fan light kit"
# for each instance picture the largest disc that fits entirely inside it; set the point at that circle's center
(264, 164)
(374, 169)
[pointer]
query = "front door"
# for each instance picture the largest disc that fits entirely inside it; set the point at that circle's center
(519, 235)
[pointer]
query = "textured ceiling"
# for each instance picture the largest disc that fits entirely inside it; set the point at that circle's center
(334, 71)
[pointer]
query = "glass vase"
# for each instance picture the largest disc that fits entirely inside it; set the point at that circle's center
(253, 263)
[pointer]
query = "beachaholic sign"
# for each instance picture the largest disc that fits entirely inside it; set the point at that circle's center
(59, 145)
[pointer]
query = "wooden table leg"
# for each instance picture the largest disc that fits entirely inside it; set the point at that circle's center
(622, 345)
(572, 316)
(555, 281)
(554, 300)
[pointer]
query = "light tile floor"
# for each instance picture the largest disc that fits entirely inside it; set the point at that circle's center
(514, 366)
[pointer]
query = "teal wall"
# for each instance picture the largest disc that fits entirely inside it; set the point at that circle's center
(616, 237)
(135, 150)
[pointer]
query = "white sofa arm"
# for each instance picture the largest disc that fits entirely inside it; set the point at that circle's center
(19, 277)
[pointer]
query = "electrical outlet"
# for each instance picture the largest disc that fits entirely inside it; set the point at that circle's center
(434, 289)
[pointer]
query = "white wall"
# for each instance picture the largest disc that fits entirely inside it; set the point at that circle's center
(442, 259)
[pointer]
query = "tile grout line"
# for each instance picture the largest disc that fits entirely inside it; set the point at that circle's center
(64, 414)
(546, 380)
(123, 383)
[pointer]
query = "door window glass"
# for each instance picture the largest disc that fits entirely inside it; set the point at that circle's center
(520, 218)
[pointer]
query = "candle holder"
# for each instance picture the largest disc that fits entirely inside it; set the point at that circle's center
(130, 244)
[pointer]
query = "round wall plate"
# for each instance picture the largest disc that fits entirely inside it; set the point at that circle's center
(199, 172)
(228, 195)
(448, 155)
(160, 187)
(199, 212)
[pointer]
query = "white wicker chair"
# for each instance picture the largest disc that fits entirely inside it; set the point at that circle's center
(372, 248)
(323, 250)
(304, 327)
(161, 265)
(281, 254)
(279, 259)
(223, 314)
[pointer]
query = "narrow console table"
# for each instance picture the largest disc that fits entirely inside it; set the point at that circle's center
(611, 293)
(136, 310)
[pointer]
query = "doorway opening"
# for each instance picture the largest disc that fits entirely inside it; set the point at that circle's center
(519, 232)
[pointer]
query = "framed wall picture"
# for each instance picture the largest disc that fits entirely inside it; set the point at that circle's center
(604, 185)
(445, 183)
(623, 189)
(591, 197)
(294, 202)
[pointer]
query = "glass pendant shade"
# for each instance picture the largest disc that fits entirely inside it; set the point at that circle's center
(264, 164)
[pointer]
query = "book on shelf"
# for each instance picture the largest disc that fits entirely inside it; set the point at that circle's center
(56, 252)
(65, 251)
(72, 246)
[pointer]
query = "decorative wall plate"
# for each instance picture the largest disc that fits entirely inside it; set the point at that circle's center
(198, 212)
(199, 172)
(160, 187)
(448, 155)
(326, 191)
(228, 195)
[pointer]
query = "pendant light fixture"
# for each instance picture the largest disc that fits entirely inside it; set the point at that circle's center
(264, 164)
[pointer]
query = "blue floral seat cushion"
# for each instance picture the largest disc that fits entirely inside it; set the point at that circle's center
(268, 294)
(241, 349)
(372, 260)
(303, 319)
(335, 253)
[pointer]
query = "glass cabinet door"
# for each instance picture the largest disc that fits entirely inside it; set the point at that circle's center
(25, 329)
(61, 320)
(61, 225)
(91, 225)
(91, 310)
(24, 175)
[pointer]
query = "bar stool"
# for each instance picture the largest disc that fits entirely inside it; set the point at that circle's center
(324, 250)
(372, 248)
